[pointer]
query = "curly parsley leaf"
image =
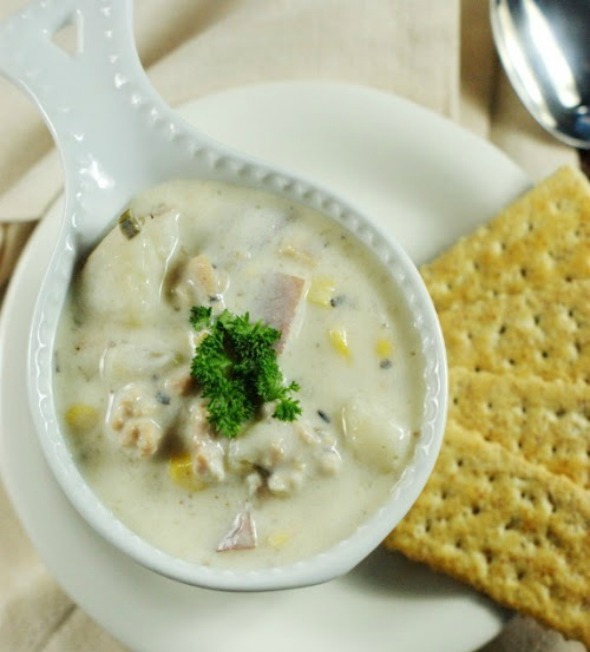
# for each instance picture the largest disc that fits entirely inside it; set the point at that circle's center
(200, 317)
(237, 368)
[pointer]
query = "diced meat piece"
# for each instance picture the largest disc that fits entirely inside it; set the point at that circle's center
(208, 461)
(141, 435)
(208, 452)
(198, 282)
(131, 401)
(198, 426)
(277, 303)
(284, 454)
(137, 419)
(265, 445)
(242, 535)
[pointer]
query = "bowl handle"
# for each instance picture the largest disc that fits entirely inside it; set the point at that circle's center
(108, 121)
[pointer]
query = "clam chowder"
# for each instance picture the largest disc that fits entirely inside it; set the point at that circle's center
(139, 420)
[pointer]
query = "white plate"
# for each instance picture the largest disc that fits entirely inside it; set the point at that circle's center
(421, 177)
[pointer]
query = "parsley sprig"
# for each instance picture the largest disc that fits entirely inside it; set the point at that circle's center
(236, 366)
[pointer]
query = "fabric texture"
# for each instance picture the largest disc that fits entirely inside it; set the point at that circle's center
(438, 54)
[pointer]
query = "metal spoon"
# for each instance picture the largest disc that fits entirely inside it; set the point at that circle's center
(543, 46)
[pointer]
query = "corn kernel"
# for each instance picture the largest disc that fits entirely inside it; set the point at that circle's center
(321, 290)
(383, 348)
(339, 341)
(297, 254)
(180, 470)
(81, 418)
(278, 539)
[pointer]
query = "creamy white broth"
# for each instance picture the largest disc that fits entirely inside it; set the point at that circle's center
(135, 418)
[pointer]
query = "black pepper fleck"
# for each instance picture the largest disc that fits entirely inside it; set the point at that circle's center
(162, 398)
(323, 416)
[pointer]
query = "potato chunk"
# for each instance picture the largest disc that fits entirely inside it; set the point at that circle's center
(375, 439)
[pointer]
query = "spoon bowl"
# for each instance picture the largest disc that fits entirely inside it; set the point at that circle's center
(543, 46)
(117, 137)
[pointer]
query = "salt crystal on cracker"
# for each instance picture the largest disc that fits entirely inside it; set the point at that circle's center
(507, 527)
(542, 237)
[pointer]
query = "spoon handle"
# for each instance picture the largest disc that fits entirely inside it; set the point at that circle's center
(107, 120)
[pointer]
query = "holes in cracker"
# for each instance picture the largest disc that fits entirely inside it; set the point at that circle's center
(575, 350)
(554, 538)
(552, 505)
(512, 524)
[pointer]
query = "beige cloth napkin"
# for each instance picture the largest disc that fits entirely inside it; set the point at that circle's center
(439, 54)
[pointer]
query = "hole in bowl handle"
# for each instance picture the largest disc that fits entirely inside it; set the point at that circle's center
(91, 98)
